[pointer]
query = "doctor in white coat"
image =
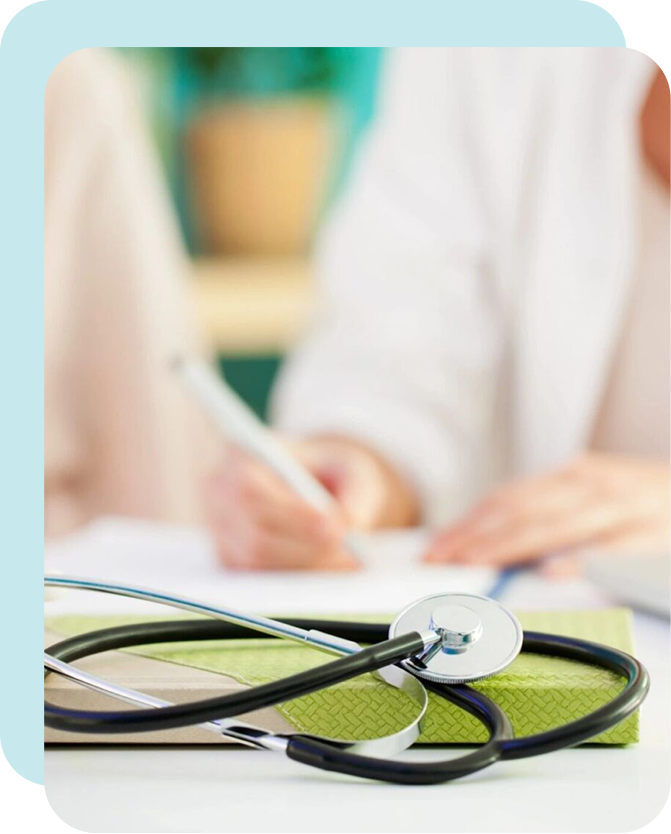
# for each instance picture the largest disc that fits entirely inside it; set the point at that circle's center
(490, 352)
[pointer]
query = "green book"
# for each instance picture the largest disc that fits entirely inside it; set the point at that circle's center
(538, 693)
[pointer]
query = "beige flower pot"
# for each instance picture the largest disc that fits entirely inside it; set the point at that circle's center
(258, 171)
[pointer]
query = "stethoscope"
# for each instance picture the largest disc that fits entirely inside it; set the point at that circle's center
(438, 643)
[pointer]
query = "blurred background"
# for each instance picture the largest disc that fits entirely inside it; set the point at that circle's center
(255, 143)
(431, 269)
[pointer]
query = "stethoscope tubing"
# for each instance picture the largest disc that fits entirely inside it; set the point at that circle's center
(316, 752)
(393, 675)
(583, 729)
(234, 728)
(181, 715)
(331, 756)
(594, 723)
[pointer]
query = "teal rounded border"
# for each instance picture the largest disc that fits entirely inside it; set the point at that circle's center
(34, 42)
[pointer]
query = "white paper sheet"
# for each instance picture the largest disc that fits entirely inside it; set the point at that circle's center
(182, 560)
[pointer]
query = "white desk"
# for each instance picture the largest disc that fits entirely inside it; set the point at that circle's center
(219, 789)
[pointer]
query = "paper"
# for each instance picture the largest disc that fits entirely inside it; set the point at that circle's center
(182, 560)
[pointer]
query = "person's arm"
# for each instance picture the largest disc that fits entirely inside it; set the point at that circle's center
(402, 352)
(389, 394)
(399, 366)
(120, 437)
(259, 523)
(598, 500)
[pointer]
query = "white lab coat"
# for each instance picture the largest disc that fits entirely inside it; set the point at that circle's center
(474, 276)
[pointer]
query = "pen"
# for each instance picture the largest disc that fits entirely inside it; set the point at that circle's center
(242, 427)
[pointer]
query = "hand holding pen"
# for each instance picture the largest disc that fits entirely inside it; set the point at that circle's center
(259, 523)
(277, 506)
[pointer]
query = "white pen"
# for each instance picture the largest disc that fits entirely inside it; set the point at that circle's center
(239, 424)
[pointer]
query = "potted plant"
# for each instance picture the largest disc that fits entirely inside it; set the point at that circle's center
(260, 140)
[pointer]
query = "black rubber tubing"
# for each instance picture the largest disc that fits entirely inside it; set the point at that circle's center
(594, 723)
(181, 715)
(624, 704)
(330, 756)
(320, 754)
(309, 750)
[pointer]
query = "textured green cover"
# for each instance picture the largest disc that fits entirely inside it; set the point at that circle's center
(538, 693)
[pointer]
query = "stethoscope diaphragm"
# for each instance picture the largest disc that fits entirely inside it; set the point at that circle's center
(479, 637)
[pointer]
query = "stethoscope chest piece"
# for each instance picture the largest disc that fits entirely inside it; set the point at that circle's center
(478, 637)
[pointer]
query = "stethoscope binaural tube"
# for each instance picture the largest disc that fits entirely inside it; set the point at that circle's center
(310, 750)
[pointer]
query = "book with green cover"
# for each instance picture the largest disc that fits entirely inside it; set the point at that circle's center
(538, 693)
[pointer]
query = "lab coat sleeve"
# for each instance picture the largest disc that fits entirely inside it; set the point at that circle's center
(406, 335)
(120, 437)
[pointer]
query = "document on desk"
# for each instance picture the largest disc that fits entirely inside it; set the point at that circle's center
(182, 560)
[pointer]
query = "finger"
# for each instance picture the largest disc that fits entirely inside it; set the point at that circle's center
(266, 525)
(338, 560)
(255, 550)
(561, 566)
(259, 550)
(488, 516)
(297, 519)
(247, 479)
(355, 496)
(361, 500)
(258, 539)
(507, 510)
(254, 492)
(641, 536)
(354, 476)
(536, 537)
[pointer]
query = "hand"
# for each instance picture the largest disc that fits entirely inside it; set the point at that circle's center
(260, 523)
(598, 501)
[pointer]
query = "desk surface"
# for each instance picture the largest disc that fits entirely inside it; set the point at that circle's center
(171, 789)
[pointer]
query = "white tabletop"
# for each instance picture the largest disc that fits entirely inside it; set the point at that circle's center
(175, 789)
